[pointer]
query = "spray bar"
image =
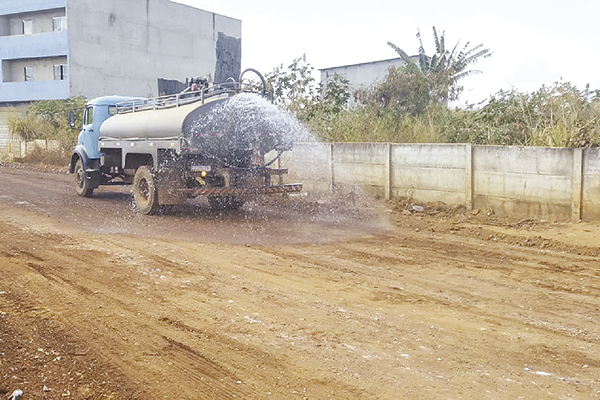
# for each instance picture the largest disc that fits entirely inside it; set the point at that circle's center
(234, 191)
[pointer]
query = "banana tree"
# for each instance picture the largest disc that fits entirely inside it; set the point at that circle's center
(446, 67)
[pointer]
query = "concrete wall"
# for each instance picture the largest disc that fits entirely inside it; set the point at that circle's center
(526, 182)
(8, 144)
(122, 47)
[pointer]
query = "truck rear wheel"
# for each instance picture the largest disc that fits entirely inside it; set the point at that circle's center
(144, 191)
(82, 184)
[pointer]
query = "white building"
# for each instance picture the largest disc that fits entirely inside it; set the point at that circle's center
(55, 49)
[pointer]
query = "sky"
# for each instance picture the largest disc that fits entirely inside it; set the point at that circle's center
(534, 42)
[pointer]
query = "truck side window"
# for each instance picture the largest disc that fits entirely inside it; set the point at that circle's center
(88, 116)
(112, 110)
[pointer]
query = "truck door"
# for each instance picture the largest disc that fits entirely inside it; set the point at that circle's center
(88, 137)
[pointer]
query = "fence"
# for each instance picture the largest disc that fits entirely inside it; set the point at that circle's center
(528, 182)
(20, 148)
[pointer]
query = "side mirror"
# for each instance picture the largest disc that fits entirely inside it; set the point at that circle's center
(72, 119)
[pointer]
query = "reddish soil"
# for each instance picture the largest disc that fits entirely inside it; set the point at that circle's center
(297, 299)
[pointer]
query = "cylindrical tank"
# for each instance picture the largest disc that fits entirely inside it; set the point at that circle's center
(225, 128)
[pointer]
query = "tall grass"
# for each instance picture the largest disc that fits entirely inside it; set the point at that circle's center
(554, 116)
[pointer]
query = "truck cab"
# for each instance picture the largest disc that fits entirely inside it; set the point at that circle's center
(87, 155)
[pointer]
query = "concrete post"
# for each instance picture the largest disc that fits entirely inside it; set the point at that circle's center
(331, 167)
(577, 185)
(388, 172)
(469, 176)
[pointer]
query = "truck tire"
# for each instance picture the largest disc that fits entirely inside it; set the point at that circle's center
(145, 194)
(222, 203)
(82, 184)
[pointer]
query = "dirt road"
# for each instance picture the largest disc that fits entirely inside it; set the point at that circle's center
(289, 300)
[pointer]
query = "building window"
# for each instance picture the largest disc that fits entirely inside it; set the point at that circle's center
(59, 24)
(27, 27)
(60, 72)
(29, 73)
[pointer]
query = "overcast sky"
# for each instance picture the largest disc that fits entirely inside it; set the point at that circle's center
(534, 42)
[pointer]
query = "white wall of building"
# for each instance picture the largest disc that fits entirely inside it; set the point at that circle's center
(122, 47)
(362, 75)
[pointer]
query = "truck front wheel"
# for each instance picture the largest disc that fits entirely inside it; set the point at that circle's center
(144, 191)
(82, 184)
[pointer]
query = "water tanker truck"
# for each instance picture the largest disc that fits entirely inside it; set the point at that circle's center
(219, 141)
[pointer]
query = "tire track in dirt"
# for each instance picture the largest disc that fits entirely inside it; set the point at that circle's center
(408, 314)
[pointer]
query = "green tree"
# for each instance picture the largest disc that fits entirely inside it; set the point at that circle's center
(46, 120)
(335, 94)
(404, 91)
(295, 89)
(446, 67)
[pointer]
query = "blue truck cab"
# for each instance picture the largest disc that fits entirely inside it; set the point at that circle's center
(86, 157)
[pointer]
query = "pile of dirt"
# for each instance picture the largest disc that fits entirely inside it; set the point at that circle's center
(486, 225)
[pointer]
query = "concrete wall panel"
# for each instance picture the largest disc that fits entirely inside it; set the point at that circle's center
(310, 164)
(525, 186)
(524, 160)
(419, 194)
(412, 178)
(591, 185)
(529, 182)
(360, 164)
(426, 171)
(8, 143)
(429, 155)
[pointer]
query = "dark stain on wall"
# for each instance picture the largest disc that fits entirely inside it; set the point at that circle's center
(170, 86)
(229, 58)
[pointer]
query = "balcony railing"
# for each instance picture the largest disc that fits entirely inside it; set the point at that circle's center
(51, 44)
(33, 91)
(17, 7)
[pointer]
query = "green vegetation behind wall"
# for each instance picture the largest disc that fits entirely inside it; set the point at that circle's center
(402, 109)
(48, 121)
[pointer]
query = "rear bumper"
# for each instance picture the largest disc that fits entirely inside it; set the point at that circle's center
(244, 192)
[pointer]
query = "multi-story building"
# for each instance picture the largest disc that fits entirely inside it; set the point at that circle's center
(55, 49)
